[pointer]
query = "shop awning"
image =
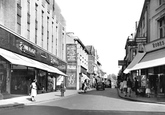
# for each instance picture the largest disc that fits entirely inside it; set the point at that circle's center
(12, 58)
(136, 59)
(54, 70)
(22, 60)
(84, 77)
(42, 66)
(151, 59)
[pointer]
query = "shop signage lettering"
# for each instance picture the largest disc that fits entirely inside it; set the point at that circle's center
(26, 49)
(43, 55)
(71, 53)
(71, 67)
(158, 44)
(62, 67)
(53, 60)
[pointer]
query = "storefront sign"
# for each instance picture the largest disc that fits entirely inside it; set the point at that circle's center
(71, 67)
(61, 67)
(53, 60)
(71, 52)
(43, 54)
(26, 48)
(121, 62)
(71, 79)
(155, 45)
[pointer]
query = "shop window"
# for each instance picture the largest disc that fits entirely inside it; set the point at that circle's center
(161, 2)
(3, 74)
(41, 81)
(21, 78)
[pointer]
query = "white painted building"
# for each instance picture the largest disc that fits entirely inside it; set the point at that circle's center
(81, 68)
(39, 21)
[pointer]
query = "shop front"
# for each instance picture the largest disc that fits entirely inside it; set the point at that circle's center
(152, 67)
(22, 61)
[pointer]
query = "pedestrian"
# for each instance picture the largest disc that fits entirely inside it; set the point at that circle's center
(84, 86)
(136, 86)
(148, 88)
(33, 87)
(129, 87)
(121, 86)
(62, 89)
(125, 87)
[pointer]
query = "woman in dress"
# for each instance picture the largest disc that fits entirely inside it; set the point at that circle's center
(33, 90)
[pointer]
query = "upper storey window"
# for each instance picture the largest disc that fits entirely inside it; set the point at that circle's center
(161, 2)
(161, 25)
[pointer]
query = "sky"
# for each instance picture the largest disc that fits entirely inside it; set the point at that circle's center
(105, 24)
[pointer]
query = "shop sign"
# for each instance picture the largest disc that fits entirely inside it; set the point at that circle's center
(121, 62)
(71, 52)
(71, 66)
(71, 79)
(155, 45)
(53, 60)
(26, 49)
(43, 54)
(62, 67)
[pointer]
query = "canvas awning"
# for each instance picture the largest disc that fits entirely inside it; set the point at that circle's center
(22, 60)
(151, 59)
(136, 59)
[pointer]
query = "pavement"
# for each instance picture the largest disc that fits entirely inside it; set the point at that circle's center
(12, 101)
(152, 99)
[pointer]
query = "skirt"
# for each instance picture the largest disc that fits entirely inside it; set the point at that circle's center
(148, 90)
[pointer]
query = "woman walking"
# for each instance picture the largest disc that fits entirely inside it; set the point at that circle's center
(33, 87)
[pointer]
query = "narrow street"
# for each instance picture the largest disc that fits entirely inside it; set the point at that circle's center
(92, 103)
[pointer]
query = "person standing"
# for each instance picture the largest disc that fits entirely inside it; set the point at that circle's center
(148, 88)
(136, 86)
(62, 89)
(129, 87)
(33, 87)
(125, 87)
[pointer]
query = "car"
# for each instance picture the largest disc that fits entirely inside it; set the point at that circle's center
(100, 85)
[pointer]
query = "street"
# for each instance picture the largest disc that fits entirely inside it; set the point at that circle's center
(94, 102)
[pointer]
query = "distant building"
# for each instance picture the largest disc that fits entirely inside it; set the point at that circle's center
(77, 59)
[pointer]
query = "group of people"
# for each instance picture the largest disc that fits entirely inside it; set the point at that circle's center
(127, 86)
(33, 89)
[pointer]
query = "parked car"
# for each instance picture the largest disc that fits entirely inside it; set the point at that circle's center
(100, 85)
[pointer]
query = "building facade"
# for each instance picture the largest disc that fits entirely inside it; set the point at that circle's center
(32, 31)
(151, 65)
(77, 59)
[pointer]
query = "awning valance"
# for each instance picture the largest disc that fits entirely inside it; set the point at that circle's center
(22, 60)
(151, 59)
(136, 59)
